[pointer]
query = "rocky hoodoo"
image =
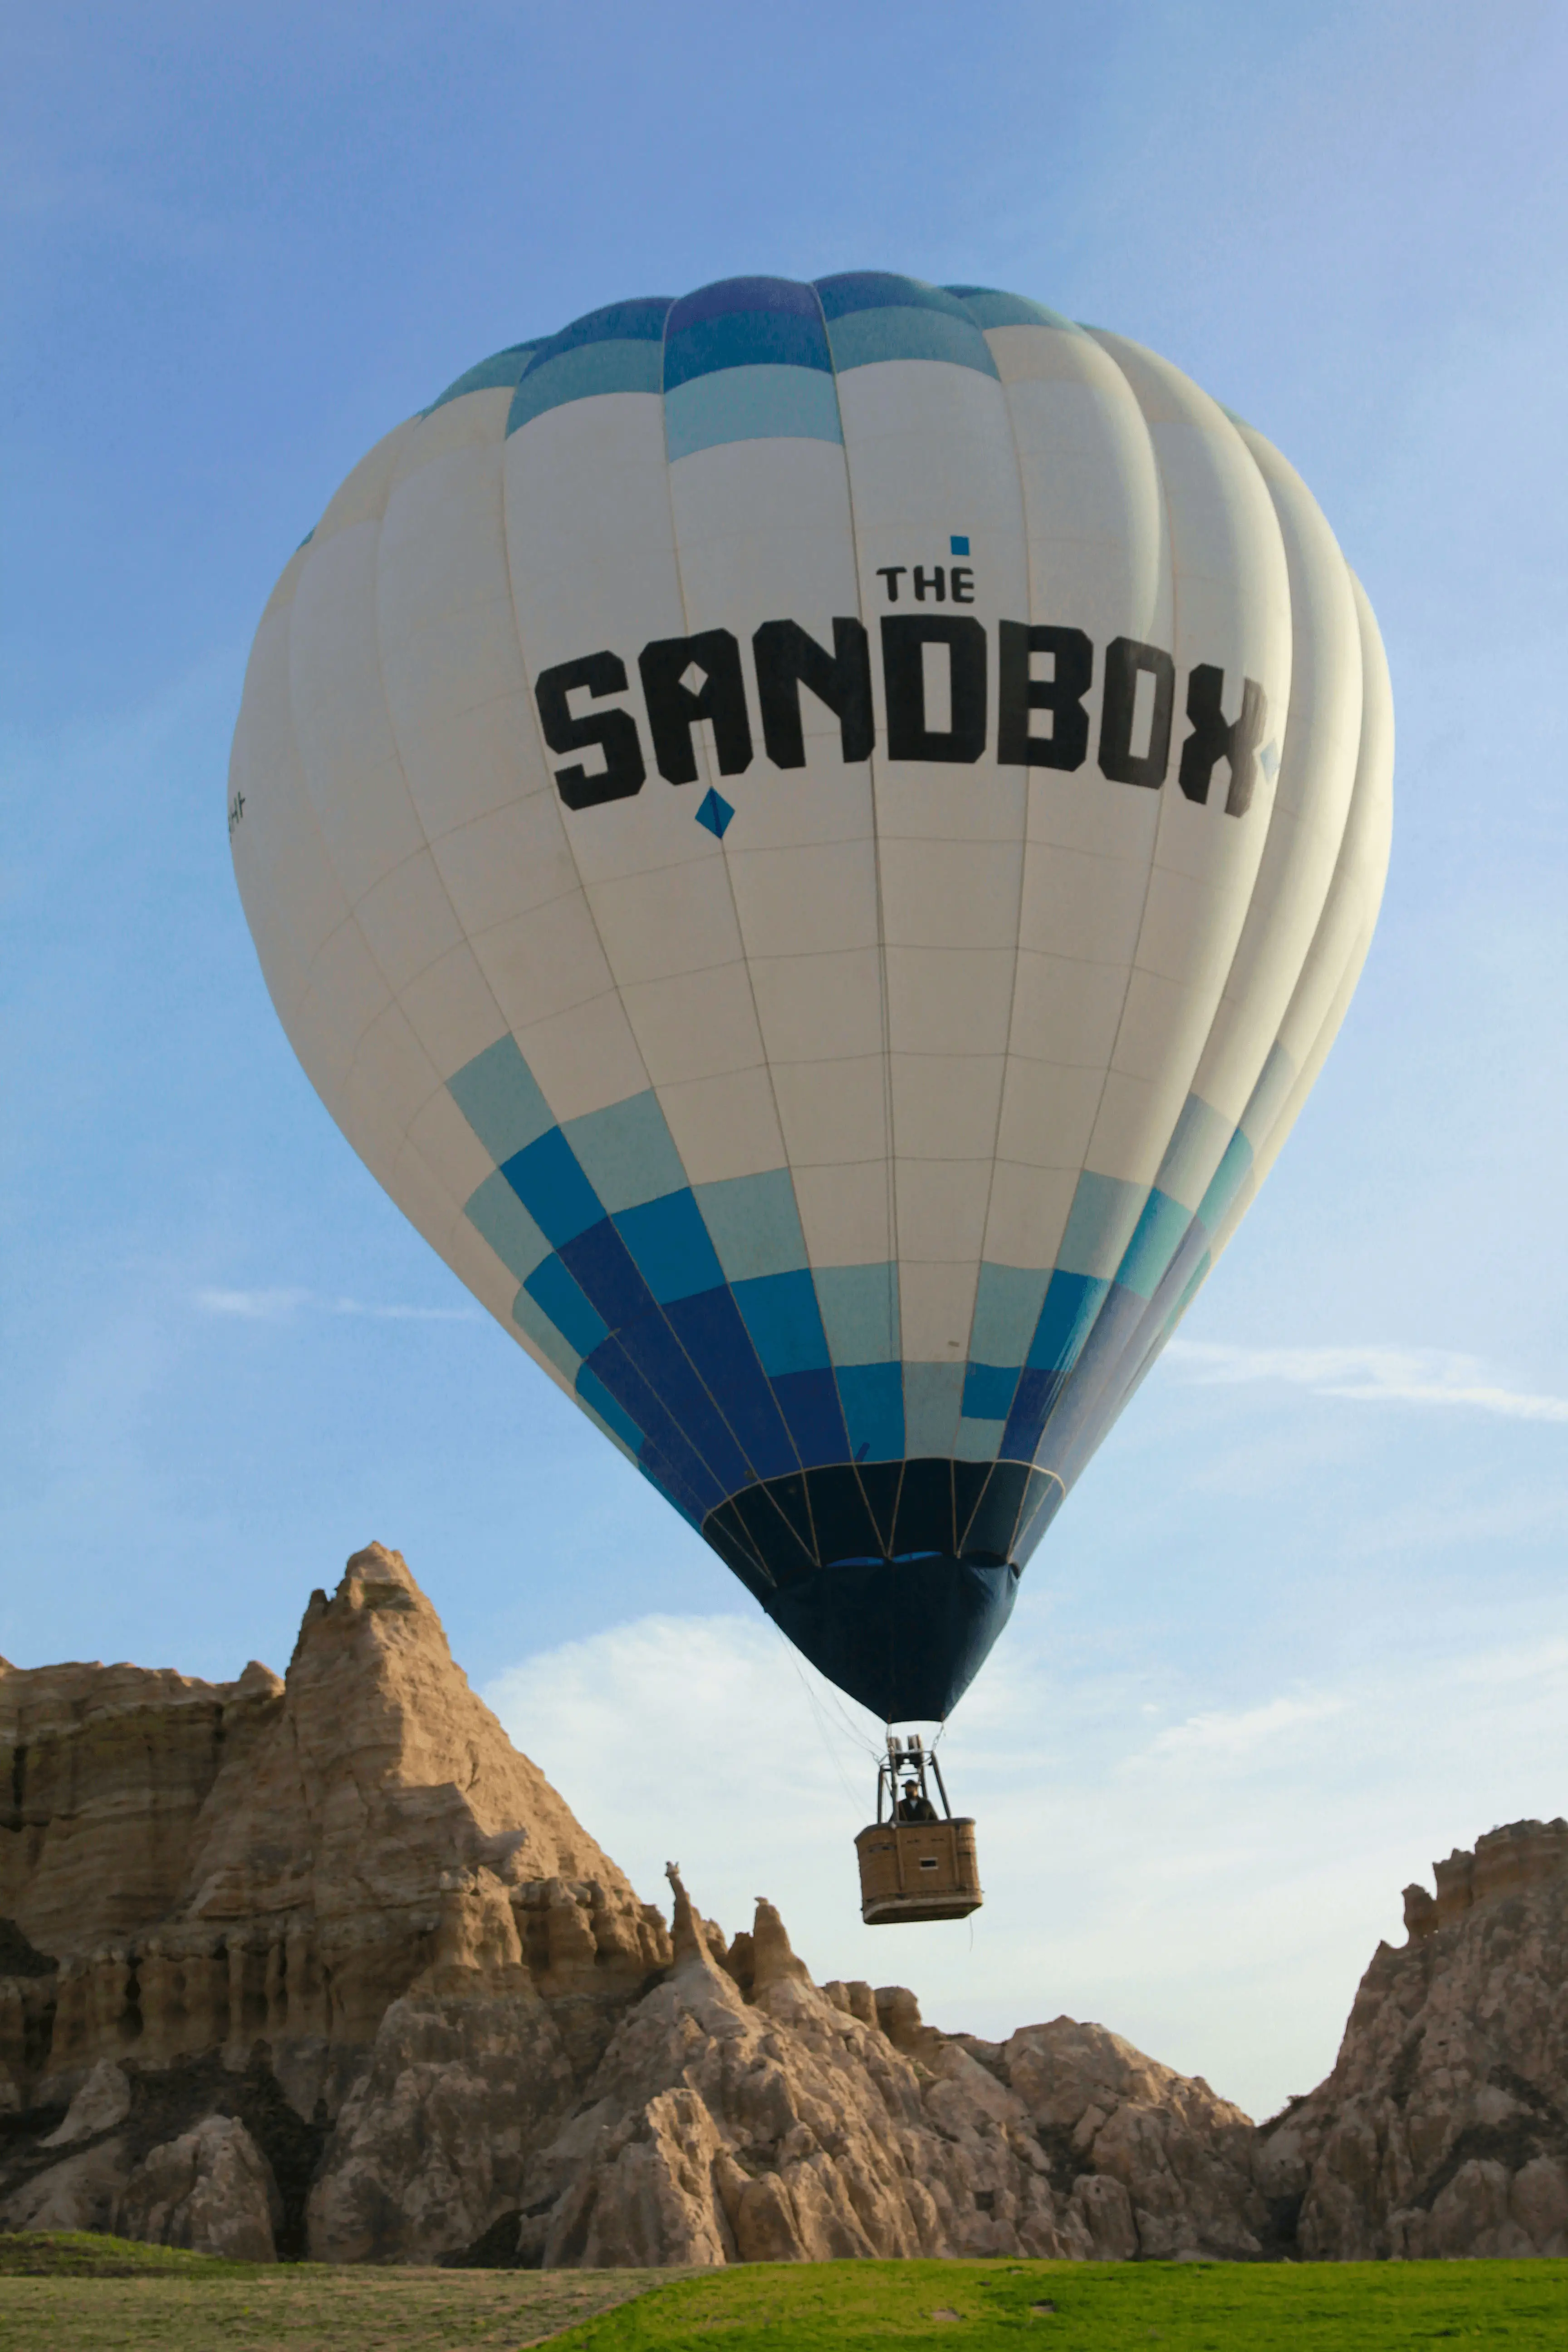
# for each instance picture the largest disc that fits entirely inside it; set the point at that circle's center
(212, 1893)
(324, 1967)
(1444, 2127)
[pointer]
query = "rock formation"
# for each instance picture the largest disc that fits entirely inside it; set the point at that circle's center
(323, 1965)
(211, 1863)
(218, 1889)
(1442, 2128)
(1158, 2164)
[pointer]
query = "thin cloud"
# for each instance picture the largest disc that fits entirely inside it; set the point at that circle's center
(1243, 1734)
(399, 1314)
(279, 1306)
(1369, 1375)
(252, 1306)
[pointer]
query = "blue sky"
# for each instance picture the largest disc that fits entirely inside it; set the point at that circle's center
(1303, 1624)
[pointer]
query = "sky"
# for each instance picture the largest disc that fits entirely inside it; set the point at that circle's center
(1303, 1626)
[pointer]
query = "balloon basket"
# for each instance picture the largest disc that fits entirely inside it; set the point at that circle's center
(916, 1863)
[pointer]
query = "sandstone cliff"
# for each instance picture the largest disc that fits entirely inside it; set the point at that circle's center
(194, 1873)
(323, 1965)
(211, 1862)
(1442, 2128)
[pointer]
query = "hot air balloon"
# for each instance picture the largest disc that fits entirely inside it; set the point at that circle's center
(815, 837)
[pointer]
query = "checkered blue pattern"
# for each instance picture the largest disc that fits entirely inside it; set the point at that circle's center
(695, 1332)
(750, 358)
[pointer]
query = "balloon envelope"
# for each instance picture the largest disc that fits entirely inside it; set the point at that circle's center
(814, 838)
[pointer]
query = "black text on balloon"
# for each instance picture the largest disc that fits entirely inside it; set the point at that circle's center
(1044, 674)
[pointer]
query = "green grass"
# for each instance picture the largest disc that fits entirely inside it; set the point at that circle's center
(83, 2253)
(1092, 2308)
(62, 2293)
(101, 2295)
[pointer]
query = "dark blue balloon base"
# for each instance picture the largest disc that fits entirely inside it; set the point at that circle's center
(905, 1637)
(893, 1577)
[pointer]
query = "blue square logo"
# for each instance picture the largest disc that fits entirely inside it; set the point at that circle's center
(959, 543)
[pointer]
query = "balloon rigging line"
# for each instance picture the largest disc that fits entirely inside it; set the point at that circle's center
(832, 1708)
(822, 1733)
(850, 1729)
(847, 1724)
(821, 1720)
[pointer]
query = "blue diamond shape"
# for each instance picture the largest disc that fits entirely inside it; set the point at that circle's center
(715, 813)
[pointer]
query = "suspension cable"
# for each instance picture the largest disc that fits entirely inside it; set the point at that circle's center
(823, 1728)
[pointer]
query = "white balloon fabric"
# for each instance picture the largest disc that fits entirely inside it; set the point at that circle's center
(816, 838)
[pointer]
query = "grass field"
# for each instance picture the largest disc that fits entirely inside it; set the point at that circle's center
(80, 2294)
(98, 2295)
(1093, 2307)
